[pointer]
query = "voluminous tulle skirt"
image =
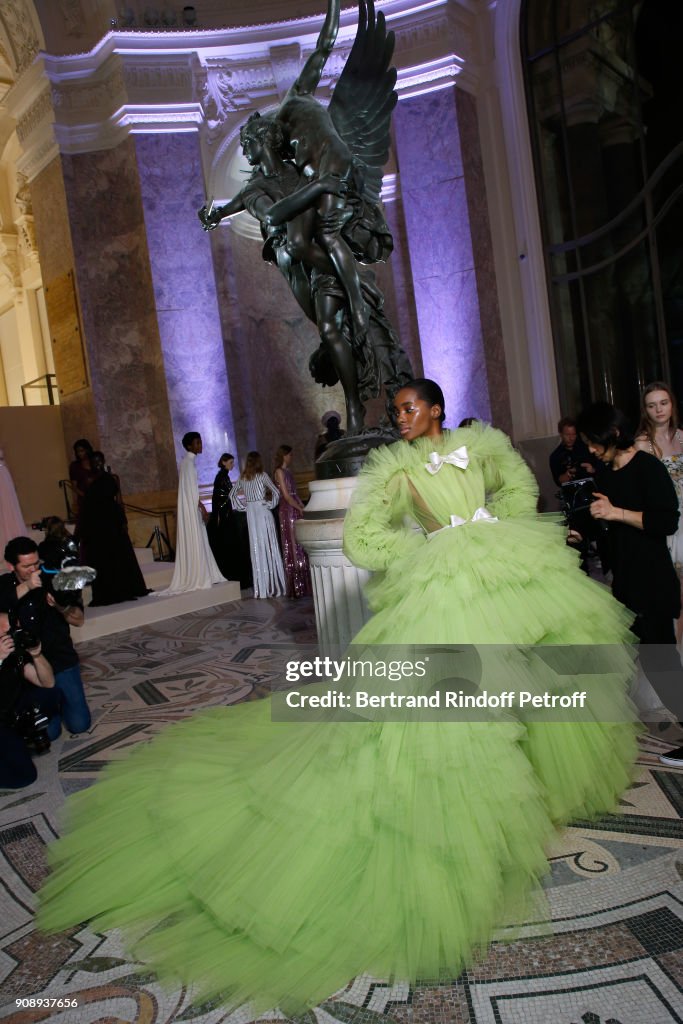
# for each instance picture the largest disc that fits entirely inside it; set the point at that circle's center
(272, 861)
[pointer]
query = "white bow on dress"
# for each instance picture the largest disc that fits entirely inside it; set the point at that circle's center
(481, 515)
(458, 457)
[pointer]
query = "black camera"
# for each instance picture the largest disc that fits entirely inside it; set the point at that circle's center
(576, 495)
(23, 636)
(61, 574)
(31, 724)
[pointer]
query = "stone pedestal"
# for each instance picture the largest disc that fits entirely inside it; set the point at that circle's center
(340, 607)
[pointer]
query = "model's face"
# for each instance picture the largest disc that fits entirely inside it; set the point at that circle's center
(415, 417)
(286, 459)
(196, 446)
(228, 464)
(568, 436)
(658, 408)
(97, 463)
(26, 566)
(81, 452)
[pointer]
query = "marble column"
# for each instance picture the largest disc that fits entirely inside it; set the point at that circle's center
(53, 238)
(444, 200)
(89, 220)
(172, 190)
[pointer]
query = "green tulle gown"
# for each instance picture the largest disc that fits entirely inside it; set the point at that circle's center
(271, 862)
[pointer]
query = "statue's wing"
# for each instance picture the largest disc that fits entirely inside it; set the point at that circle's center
(364, 96)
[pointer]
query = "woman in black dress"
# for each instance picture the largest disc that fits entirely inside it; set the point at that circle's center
(227, 528)
(105, 541)
(635, 497)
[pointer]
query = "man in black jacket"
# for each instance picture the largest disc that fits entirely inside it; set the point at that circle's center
(23, 592)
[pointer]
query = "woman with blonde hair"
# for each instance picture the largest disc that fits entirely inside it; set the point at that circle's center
(256, 494)
(290, 510)
(659, 434)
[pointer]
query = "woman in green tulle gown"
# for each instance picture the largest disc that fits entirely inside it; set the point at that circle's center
(271, 862)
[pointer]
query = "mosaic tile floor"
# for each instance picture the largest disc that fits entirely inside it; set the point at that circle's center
(613, 953)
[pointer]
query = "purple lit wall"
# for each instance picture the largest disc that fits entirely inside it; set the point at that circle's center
(172, 191)
(433, 188)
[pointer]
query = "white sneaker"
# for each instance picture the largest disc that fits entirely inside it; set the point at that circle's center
(674, 758)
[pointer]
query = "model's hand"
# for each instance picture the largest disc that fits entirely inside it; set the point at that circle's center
(588, 466)
(602, 507)
(203, 512)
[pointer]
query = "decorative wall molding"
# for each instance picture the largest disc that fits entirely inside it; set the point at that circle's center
(26, 237)
(149, 81)
(10, 268)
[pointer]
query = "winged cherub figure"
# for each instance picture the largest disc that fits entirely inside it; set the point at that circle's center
(318, 192)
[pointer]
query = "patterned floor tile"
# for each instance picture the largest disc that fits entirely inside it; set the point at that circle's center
(604, 946)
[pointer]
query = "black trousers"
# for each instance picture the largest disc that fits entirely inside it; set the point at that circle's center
(16, 764)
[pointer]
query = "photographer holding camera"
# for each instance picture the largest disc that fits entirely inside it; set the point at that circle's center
(27, 591)
(28, 699)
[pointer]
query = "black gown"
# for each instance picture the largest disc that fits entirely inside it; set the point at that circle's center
(229, 534)
(106, 545)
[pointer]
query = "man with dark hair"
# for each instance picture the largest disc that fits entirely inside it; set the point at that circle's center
(571, 460)
(22, 592)
(195, 566)
(189, 442)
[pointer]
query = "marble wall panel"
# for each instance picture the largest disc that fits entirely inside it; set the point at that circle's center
(440, 242)
(445, 242)
(234, 344)
(444, 195)
(450, 311)
(172, 190)
(121, 336)
(482, 247)
(395, 279)
(427, 122)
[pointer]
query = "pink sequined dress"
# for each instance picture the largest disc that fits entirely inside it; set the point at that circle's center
(293, 555)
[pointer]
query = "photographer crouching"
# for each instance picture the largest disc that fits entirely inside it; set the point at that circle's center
(27, 592)
(28, 700)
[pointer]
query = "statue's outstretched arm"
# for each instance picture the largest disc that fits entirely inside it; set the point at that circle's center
(308, 79)
(291, 206)
(211, 216)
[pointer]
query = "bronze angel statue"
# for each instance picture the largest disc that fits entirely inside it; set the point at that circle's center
(315, 189)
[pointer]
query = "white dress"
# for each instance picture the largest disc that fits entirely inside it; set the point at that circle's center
(11, 520)
(195, 566)
(266, 561)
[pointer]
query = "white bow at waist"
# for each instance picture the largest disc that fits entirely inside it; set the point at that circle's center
(482, 515)
(458, 457)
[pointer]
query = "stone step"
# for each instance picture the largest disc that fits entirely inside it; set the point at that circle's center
(132, 614)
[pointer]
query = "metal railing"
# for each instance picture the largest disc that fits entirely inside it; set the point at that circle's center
(160, 531)
(48, 382)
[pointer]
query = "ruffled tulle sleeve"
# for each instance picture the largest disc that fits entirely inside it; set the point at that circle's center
(511, 488)
(375, 533)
